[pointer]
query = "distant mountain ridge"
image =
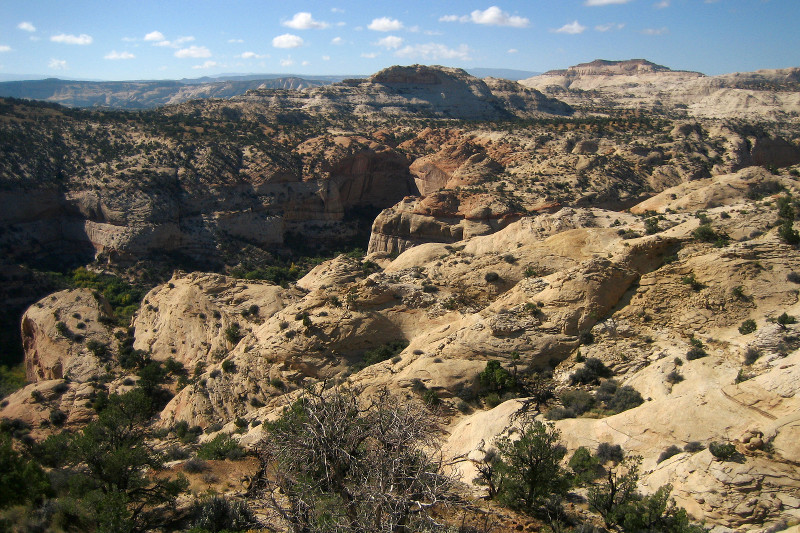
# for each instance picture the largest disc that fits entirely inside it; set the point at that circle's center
(148, 94)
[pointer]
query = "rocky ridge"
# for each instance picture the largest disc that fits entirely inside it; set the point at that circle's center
(558, 276)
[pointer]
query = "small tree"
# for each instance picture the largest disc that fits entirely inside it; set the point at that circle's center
(344, 464)
(529, 468)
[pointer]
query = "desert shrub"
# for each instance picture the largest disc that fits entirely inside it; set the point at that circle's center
(693, 447)
(793, 277)
(220, 447)
(57, 417)
(228, 366)
(651, 226)
(98, 349)
(381, 353)
(785, 319)
(593, 369)
(195, 466)
(495, 378)
(674, 377)
(751, 355)
(491, 277)
(233, 333)
(218, 513)
(430, 398)
(748, 326)
(609, 452)
(705, 233)
(584, 465)
(430, 288)
(788, 234)
(577, 401)
(669, 452)
(587, 337)
(722, 451)
(697, 350)
(692, 282)
(626, 397)
(176, 453)
(492, 400)
(559, 413)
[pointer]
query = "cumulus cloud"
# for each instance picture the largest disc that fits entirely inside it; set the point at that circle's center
(434, 51)
(119, 55)
(194, 52)
(287, 40)
(662, 4)
(385, 24)
(207, 64)
(573, 28)
(5, 48)
(512, 51)
(654, 31)
(370, 55)
(288, 62)
(604, 2)
(236, 41)
(26, 26)
(326, 58)
(154, 36)
(57, 64)
(65, 38)
(251, 55)
(304, 21)
(390, 41)
(337, 10)
(608, 27)
(305, 63)
(492, 16)
(337, 41)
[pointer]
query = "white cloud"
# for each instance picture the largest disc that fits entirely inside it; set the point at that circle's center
(370, 55)
(57, 64)
(337, 10)
(610, 26)
(385, 24)
(390, 41)
(128, 39)
(287, 40)
(26, 26)
(434, 51)
(604, 2)
(119, 55)
(573, 28)
(304, 21)
(5, 48)
(64, 38)
(207, 64)
(305, 63)
(193, 51)
(662, 4)
(181, 40)
(288, 62)
(162, 43)
(337, 41)
(326, 58)
(494, 16)
(154, 36)
(251, 55)
(512, 51)
(655, 31)
(239, 41)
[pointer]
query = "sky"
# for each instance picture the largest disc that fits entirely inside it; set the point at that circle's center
(173, 39)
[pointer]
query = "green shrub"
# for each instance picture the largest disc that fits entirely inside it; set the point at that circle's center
(491, 277)
(492, 400)
(228, 366)
(609, 452)
(751, 355)
(785, 319)
(747, 327)
(218, 513)
(430, 398)
(495, 378)
(381, 353)
(593, 369)
(220, 447)
(788, 234)
(693, 447)
(233, 333)
(584, 465)
(722, 451)
(626, 397)
(577, 401)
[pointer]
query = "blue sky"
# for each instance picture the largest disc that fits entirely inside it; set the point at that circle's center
(147, 39)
